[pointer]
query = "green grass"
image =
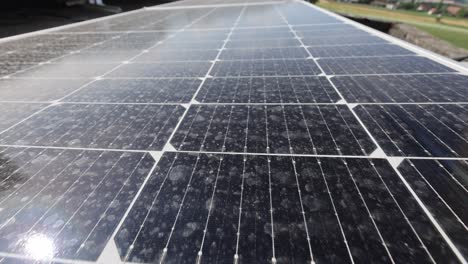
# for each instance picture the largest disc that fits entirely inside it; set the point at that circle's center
(459, 40)
(451, 29)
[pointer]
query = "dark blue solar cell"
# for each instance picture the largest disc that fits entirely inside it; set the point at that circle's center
(403, 88)
(137, 91)
(287, 67)
(162, 69)
(442, 194)
(377, 50)
(38, 90)
(263, 43)
(7, 68)
(12, 113)
(157, 54)
(67, 70)
(267, 90)
(72, 199)
(328, 130)
(247, 199)
(379, 65)
(417, 130)
(263, 54)
(341, 40)
(105, 126)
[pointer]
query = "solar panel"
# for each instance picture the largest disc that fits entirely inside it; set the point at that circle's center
(162, 69)
(268, 90)
(263, 54)
(38, 90)
(424, 88)
(12, 113)
(418, 130)
(263, 68)
(107, 126)
(267, 43)
(342, 40)
(358, 51)
(439, 182)
(176, 90)
(65, 70)
(209, 131)
(381, 65)
(330, 130)
(65, 181)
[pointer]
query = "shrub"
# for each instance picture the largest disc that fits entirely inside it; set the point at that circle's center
(462, 13)
(407, 6)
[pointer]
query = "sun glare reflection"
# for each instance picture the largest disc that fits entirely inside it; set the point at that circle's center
(39, 246)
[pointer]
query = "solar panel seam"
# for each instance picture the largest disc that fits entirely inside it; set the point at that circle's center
(204, 78)
(250, 76)
(228, 152)
(237, 153)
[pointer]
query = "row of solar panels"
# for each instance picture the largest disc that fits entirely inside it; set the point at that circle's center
(282, 130)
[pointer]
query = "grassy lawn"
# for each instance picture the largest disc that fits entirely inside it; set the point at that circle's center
(453, 30)
(457, 39)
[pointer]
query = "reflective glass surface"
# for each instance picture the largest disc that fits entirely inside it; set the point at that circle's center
(214, 131)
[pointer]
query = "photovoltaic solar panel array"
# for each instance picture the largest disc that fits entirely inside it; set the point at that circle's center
(230, 132)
